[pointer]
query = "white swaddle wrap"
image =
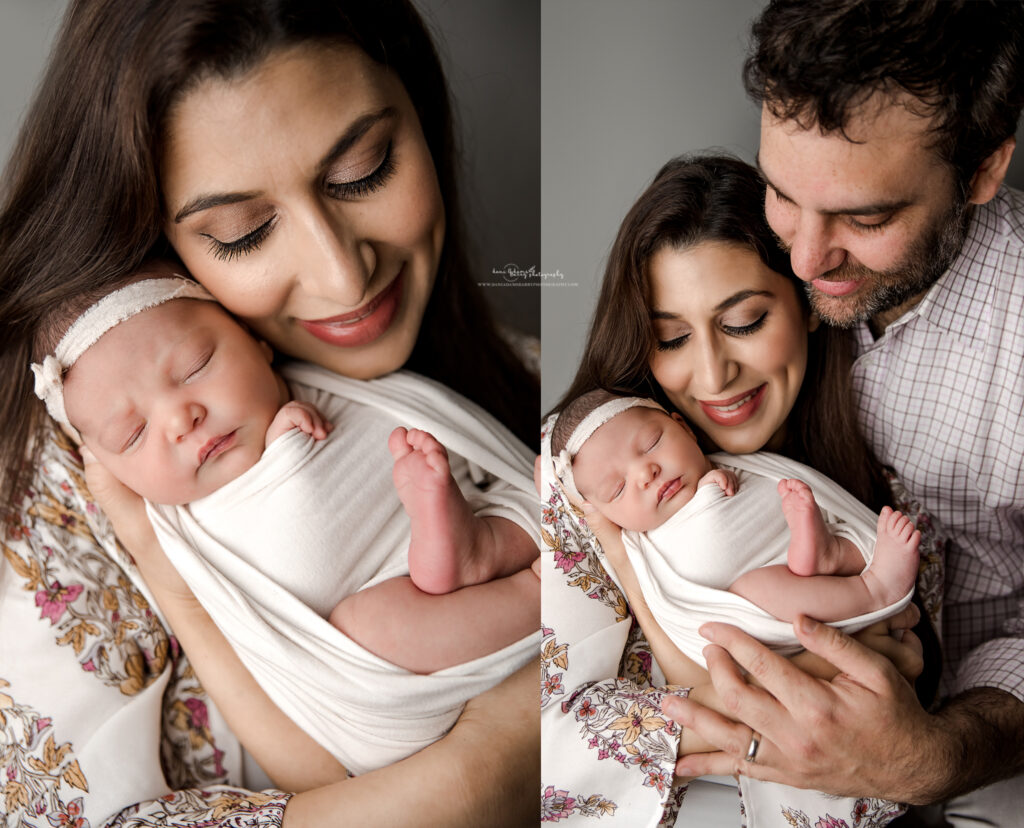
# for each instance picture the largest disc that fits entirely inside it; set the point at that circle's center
(685, 566)
(271, 553)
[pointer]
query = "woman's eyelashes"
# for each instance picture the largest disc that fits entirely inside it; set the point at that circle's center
(226, 251)
(368, 183)
(340, 190)
(749, 328)
(731, 330)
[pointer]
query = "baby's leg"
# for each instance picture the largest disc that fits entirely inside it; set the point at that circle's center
(813, 550)
(424, 633)
(780, 592)
(450, 547)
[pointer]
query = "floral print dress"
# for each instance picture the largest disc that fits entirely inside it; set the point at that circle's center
(607, 751)
(102, 721)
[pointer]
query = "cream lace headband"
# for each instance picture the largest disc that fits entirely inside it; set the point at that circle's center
(111, 310)
(588, 425)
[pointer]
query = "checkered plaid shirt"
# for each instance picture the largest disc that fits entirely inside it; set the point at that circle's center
(941, 400)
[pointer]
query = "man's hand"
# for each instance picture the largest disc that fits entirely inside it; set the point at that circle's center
(826, 735)
(301, 415)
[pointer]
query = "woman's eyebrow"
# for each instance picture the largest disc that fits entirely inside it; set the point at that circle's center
(740, 296)
(206, 201)
(735, 299)
(356, 130)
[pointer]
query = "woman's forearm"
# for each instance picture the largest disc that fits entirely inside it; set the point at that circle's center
(486, 771)
(288, 755)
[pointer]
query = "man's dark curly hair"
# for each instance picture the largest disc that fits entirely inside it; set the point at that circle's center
(816, 61)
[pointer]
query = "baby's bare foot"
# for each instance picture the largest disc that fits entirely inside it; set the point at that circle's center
(440, 551)
(894, 566)
(811, 545)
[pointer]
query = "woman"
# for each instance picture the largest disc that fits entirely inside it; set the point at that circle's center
(697, 309)
(298, 157)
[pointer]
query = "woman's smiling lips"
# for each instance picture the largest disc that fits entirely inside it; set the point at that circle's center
(362, 326)
(735, 410)
(216, 446)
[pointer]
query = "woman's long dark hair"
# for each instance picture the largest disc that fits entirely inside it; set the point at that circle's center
(718, 198)
(82, 204)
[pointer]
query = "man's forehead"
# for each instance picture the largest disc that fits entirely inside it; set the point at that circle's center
(882, 161)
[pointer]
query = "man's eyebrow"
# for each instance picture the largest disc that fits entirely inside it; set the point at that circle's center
(356, 130)
(878, 208)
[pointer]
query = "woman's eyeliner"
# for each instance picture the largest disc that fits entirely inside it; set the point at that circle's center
(226, 251)
(738, 330)
(746, 330)
(367, 184)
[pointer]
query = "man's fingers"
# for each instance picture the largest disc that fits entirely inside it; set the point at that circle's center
(863, 665)
(782, 680)
(733, 738)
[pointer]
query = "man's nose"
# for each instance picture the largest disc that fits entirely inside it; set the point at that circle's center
(813, 250)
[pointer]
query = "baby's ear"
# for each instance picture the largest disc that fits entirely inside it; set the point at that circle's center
(675, 415)
(268, 352)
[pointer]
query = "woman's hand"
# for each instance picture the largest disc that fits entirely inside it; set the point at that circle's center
(126, 512)
(488, 768)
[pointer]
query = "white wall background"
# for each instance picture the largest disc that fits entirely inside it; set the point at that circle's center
(491, 53)
(626, 86)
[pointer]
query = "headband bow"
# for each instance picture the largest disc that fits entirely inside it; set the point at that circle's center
(108, 312)
(562, 463)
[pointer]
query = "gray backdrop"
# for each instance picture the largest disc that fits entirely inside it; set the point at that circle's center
(626, 86)
(491, 52)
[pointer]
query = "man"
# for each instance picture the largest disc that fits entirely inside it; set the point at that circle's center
(887, 129)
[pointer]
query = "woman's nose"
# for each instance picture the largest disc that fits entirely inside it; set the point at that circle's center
(336, 262)
(812, 249)
(715, 368)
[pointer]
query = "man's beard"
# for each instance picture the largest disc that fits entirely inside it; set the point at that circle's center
(927, 259)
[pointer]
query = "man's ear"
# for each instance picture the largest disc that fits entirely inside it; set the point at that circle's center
(990, 174)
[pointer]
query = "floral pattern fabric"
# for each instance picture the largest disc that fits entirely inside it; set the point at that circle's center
(102, 720)
(608, 754)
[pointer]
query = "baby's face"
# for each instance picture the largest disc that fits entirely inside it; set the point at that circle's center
(639, 468)
(176, 401)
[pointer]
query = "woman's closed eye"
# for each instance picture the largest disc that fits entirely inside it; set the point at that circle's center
(732, 330)
(748, 328)
(340, 187)
(228, 250)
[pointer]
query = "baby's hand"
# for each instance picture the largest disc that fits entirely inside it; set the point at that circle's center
(301, 415)
(723, 478)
